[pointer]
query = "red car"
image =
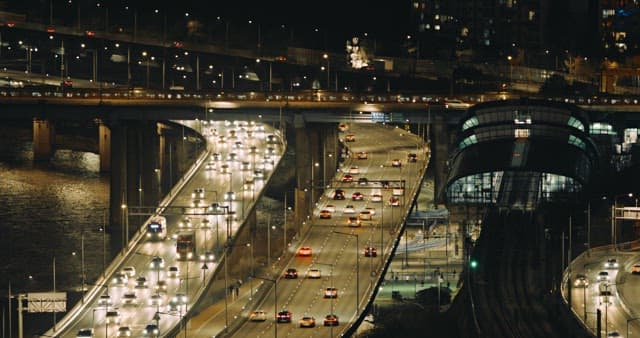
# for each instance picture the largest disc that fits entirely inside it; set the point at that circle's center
(347, 179)
(304, 251)
(357, 196)
(331, 320)
(370, 252)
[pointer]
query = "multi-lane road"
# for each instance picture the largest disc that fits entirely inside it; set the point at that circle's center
(337, 245)
(160, 288)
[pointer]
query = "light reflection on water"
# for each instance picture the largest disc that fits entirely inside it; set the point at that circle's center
(44, 208)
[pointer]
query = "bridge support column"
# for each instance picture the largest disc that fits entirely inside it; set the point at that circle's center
(304, 138)
(104, 147)
(439, 155)
(118, 195)
(44, 138)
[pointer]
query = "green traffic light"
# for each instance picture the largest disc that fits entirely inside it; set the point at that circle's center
(474, 264)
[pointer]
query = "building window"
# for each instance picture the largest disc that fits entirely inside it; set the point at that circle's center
(573, 122)
(522, 133)
(468, 141)
(470, 123)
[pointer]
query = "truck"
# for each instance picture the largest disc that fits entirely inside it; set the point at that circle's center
(157, 228)
(186, 245)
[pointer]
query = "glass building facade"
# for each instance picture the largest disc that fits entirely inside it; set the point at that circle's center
(518, 153)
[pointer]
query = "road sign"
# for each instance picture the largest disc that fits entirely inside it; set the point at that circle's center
(47, 302)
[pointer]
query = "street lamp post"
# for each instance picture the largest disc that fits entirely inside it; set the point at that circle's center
(357, 267)
(509, 58)
(326, 57)
(614, 225)
(275, 300)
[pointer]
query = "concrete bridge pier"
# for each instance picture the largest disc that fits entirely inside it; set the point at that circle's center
(44, 139)
(441, 138)
(317, 151)
(134, 181)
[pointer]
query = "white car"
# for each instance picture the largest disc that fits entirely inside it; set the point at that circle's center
(130, 298)
(198, 193)
(376, 198)
(258, 316)
(173, 272)
(331, 208)
(230, 196)
(456, 104)
(611, 263)
(113, 317)
(185, 223)
(354, 170)
(603, 276)
(314, 273)
(105, 301)
(124, 331)
(365, 215)
(120, 279)
(349, 209)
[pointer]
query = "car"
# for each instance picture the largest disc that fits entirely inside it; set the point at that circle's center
(84, 333)
(258, 316)
(365, 215)
(284, 316)
(141, 283)
(614, 334)
(124, 331)
(130, 271)
(376, 198)
(370, 252)
(151, 330)
(249, 184)
(635, 269)
(112, 317)
(314, 274)
(156, 300)
(207, 256)
(161, 286)
(350, 138)
(291, 273)
(120, 279)
(198, 193)
(605, 297)
(357, 196)
(412, 157)
(197, 203)
(185, 223)
(456, 104)
(581, 281)
(362, 155)
(130, 298)
(347, 179)
(180, 298)
(105, 301)
(173, 272)
(231, 157)
(325, 214)
(371, 210)
(225, 169)
(354, 222)
(396, 163)
(611, 263)
(385, 184)
(307, 321)
(338, 194)
(603, 276)
(394, 201)
(331, 208)
(331, 320)
(349, 209)
(363, 181)
(397, 192)
(205, 224)
(330, 292)
(354, 170)
(67, 83)
(230, 196)
(157, 263)
(90, 34)
(304, 251)
(343, 127)
(272, 139)
(216, 156)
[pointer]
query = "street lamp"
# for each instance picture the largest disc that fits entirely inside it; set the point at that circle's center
(357, 267)
(275, 299)
(614, 208)
(509, 58)
(326, 57)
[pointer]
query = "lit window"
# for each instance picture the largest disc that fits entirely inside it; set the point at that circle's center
(522, 133)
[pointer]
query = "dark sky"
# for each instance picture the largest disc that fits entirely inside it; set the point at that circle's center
(380, 17)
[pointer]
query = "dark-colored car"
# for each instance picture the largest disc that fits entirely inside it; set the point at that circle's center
(291, 273)
(284, 316)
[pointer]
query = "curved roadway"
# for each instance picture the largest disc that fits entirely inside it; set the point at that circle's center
(191, 278)
(337, 248)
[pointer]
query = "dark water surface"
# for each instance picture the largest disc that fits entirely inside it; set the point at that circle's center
(45, 211)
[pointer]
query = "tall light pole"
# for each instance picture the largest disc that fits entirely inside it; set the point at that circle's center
(614, 208)
(509, 58)
(275, 300)
(226, 253)
(357, 267)
(326, 57)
